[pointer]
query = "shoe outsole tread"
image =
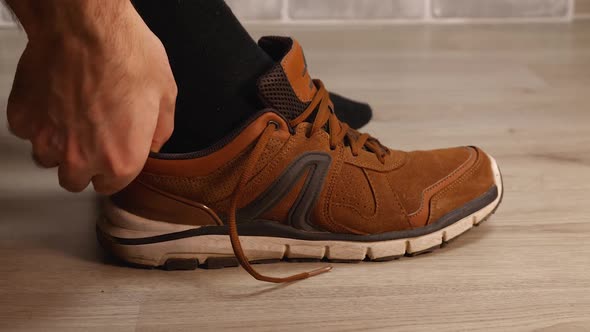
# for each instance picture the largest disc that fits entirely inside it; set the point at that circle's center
(174, 264)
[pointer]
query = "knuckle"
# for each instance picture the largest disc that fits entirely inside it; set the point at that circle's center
(169, 94)
(121, 169)
(161, 137)
(174, 90)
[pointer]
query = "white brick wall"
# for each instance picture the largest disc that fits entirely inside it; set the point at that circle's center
(257, 9)
(499, 8)
(402, 10)
(393, 10)
(355, 9)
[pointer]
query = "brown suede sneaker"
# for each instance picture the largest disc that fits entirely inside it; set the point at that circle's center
(296, 183)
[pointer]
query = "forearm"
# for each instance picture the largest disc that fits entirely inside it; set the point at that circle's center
(41, 19)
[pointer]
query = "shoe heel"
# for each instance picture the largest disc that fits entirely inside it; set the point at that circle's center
(142, 242)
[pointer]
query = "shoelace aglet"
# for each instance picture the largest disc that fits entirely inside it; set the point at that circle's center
(319, 271)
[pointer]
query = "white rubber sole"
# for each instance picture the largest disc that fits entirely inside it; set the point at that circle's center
(205, 249)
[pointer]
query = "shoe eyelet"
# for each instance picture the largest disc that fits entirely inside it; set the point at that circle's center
(276, 124)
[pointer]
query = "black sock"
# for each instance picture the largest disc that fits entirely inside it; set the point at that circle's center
(355, 113)
(215, 63)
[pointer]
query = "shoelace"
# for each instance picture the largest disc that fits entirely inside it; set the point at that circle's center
(338, 132)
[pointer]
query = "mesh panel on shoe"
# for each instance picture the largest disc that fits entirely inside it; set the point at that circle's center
(275, 89)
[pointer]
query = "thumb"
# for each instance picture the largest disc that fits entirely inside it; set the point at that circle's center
(165, 124)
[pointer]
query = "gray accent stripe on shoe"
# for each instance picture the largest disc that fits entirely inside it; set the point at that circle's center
(317, 164)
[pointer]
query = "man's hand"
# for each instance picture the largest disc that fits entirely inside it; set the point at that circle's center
(93, 92)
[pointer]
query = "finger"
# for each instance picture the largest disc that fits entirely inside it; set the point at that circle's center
(165, 124)
(74, 170)
(73, 179)
(116, 177)
(118, 167)
(44, 161)
(46, 148)
(108, 185)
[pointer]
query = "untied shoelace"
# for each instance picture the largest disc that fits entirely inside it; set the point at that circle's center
(338, 131)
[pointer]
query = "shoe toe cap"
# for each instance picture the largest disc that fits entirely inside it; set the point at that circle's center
(434, 183)
(468, 182)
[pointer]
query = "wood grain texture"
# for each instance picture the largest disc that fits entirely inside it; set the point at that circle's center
(519, 91)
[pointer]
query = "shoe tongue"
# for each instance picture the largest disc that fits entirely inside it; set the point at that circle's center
(287, 86)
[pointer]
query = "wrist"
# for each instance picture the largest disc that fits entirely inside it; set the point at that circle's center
(89, 19)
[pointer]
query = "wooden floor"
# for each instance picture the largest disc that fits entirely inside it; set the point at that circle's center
(522, 92)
